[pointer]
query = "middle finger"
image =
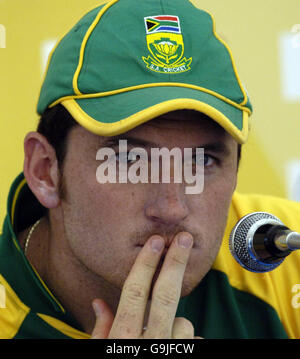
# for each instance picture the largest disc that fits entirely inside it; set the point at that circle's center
(167, 289)
(130, 314)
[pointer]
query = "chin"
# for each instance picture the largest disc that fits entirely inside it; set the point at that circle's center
(187, 288)
(191, 281)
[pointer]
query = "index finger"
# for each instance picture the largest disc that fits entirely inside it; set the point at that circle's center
(130, 314)
(167, 289)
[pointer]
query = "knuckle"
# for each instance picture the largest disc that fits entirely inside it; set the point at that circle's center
(134, 292)
(149, 265)
(167, 296)
(178, 259)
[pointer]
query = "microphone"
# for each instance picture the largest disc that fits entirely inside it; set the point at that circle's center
(259, 242)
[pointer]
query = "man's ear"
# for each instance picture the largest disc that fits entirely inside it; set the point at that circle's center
(41, 169)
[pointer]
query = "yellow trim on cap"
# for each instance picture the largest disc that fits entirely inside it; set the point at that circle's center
(245, 100)
(84, 42)
(124, 125)
(63, 327)
(143, 86)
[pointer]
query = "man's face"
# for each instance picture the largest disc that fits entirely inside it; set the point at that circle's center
(106, 225)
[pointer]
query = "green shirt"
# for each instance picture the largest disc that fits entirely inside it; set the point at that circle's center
(230, 302)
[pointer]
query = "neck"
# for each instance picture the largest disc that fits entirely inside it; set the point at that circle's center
(72, 283)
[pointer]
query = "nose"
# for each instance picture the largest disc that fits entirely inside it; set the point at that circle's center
(167, 205)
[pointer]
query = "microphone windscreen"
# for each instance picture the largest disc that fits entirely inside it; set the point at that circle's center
(241, 241)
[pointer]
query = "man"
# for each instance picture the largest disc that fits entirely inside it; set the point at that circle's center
(142, 259)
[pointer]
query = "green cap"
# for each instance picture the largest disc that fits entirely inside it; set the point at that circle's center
(129, 61)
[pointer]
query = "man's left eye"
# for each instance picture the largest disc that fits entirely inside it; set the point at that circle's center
(207, 160)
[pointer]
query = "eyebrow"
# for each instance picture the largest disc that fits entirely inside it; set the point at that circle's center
(114, 141)
(216, 147)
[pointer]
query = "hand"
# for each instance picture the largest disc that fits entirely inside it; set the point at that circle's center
(162, 324)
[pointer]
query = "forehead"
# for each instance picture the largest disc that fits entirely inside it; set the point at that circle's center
(185, 123)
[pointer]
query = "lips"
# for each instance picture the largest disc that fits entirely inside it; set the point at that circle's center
(167, 238)
(168, 242)
(166, 248)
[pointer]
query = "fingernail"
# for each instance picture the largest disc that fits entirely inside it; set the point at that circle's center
(157, 244)
(185, 240)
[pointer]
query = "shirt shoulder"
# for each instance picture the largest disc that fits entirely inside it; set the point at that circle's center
(286, 210)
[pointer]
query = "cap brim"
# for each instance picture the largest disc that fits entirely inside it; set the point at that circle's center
(119, 113)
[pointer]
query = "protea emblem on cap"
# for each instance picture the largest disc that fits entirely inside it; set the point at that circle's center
(165, 44)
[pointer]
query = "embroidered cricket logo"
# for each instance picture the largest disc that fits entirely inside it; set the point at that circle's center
(165, 44)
